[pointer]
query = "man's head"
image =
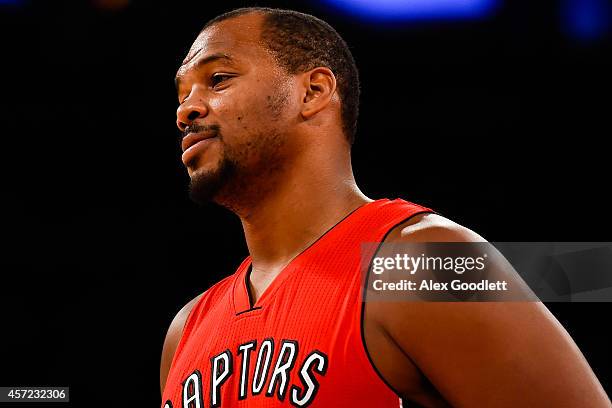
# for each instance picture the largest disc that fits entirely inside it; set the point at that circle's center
(253, 82)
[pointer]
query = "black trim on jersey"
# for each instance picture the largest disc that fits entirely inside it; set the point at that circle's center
(312, 378)
(168, 404)
(199, 381)
(281, 392)
(247, 371)
(248, 274)
(248, 310)
(363, 299)
(332, 227)
(217, 390)
(263, 374)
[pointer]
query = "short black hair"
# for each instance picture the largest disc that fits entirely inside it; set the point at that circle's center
(300, 42)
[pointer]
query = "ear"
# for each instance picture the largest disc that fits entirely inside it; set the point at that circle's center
(320, 86)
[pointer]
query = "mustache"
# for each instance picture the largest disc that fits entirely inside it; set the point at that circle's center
(195, 128)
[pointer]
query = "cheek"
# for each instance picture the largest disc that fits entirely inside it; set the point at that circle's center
(243, 111)
(219, 103)
(228, 111)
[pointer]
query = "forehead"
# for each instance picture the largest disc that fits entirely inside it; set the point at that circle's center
(238, 38)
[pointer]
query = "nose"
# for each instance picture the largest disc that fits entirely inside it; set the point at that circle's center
(191, 109)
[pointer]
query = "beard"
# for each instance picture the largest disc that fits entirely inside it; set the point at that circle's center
(243, 174)
(246, 171)
(206, 185)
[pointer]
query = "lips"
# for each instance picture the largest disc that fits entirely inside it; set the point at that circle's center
(193, 144)
(193, 138)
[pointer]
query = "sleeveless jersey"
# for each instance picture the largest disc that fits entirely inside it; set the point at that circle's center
(301, 343)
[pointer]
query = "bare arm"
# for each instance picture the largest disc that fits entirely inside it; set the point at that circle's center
(173, 336)
(489, 354)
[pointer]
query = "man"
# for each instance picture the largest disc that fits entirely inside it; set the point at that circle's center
(268, 108)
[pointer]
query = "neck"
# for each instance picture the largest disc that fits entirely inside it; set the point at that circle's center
(309, 199)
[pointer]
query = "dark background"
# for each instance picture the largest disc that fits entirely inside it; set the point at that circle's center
(499, 124)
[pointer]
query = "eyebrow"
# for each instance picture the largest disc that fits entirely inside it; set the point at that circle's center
(203, 61)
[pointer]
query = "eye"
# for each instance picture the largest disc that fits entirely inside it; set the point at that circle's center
(218, 79)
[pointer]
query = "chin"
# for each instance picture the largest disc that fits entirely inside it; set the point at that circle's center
(201, 165)
(208, 180)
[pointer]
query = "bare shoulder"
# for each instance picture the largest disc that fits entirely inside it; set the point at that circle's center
(173, 336)
(431, 227)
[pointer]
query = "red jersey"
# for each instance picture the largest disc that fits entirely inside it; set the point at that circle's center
(301, 343)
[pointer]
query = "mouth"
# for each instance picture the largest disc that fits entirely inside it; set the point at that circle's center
(194, 143)
(193, 138)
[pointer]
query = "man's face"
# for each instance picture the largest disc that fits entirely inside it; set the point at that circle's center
(236, 108)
